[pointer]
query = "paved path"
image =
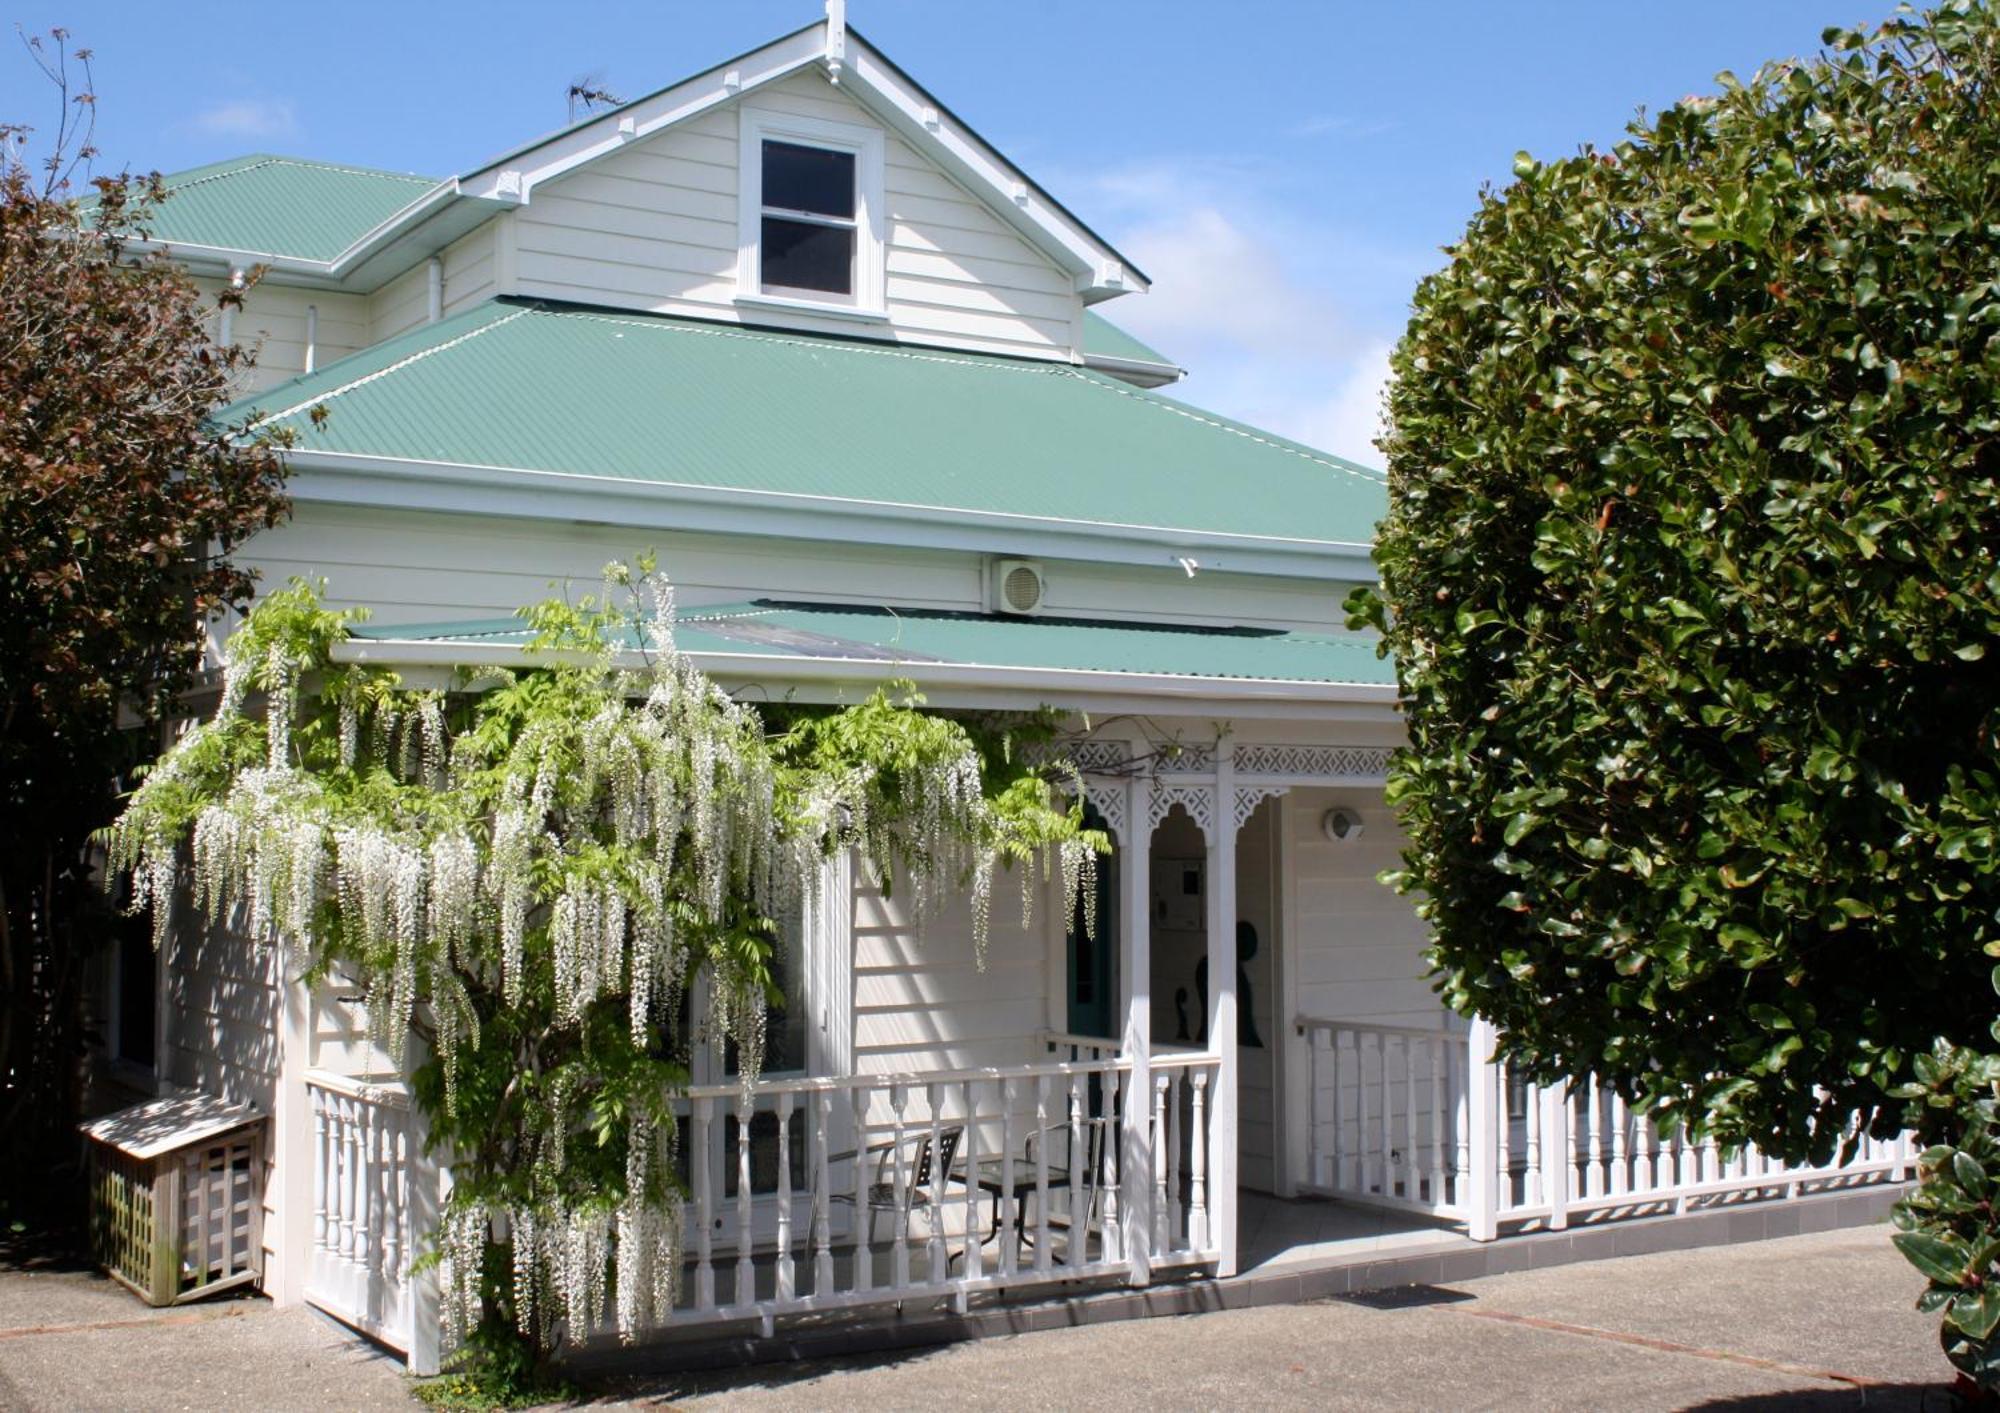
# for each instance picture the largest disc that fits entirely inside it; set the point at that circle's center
(74, 1340)
(1805, 1323)
(1809, 1322)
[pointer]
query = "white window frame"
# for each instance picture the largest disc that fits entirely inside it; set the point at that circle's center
(759, 125)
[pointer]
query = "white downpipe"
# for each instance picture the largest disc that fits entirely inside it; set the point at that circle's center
(434, 285)
(312, 336)
(225, 333)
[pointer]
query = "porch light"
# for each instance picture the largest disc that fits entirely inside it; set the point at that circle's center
(1340, 825)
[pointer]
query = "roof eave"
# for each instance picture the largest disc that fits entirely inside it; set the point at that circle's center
(350, 478)
(768, 667)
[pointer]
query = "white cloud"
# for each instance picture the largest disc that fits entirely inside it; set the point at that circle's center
(1350, 420)
(247, 117)
(1283, 323)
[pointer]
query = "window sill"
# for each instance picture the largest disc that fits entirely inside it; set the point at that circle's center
(849, 312)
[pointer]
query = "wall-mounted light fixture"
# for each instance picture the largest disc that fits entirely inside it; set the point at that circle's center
(1340, 825)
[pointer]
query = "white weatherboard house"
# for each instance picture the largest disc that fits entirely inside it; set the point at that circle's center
(795, 325)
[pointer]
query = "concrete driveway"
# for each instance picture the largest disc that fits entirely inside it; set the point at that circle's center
(1809, 1322)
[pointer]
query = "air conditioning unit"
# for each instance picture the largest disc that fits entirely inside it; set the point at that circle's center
(1017, 586)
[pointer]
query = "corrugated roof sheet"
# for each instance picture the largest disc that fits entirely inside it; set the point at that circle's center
(900, 639)
(1104, 339)
(588, 393)
(283, 206)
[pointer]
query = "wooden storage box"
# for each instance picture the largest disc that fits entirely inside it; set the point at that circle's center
(177, 1196)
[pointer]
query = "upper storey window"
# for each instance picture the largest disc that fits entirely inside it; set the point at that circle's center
(808, 225)
(811, 202)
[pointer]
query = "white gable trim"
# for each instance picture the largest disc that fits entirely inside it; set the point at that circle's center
(879, 87)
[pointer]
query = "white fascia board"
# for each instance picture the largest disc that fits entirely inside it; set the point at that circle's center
(1044, 684)
(1100, 270)
(514, 178)
(348, 478)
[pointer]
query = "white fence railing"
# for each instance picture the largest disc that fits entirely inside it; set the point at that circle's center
(364, 1151)
(811, 1194)
(1424, 1121)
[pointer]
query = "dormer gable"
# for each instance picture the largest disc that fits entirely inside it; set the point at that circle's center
(876, 87)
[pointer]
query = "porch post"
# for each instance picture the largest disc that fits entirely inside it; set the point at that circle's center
(1222, 1002)
(1135, 964)
(1483, 1119)
(292, 1159)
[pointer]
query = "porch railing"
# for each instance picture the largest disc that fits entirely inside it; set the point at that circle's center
(364, 1146)
(1422, 1120)
(812, 1194)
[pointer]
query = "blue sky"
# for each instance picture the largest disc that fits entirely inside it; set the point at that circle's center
(1284, 172)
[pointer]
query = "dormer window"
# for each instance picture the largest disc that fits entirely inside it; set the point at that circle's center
(807, 240)
(811, 200)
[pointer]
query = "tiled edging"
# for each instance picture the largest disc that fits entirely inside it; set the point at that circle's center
(1450, 1261)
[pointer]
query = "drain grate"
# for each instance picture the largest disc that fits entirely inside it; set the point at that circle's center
(1406, 1297)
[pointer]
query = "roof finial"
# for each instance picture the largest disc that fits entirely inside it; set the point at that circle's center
(836, 39)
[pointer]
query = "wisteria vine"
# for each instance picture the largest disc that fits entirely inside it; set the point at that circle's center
(527, 871)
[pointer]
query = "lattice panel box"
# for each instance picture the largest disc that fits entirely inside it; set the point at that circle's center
(177, 1197)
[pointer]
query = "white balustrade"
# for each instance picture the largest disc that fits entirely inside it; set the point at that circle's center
(363, 1151)
(1411, 1118)
(891, 1189)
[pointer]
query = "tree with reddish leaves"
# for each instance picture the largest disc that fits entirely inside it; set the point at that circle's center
(121, 498)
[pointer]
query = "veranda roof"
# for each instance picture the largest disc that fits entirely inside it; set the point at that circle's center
(695, 408)
(882, 642)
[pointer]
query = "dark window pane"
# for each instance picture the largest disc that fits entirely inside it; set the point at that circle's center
(809, 179)
(799, 255)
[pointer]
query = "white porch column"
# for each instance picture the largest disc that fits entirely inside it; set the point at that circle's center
(1484, 1115)
(1222, 1001)
(1135, 965)
(291, 1159)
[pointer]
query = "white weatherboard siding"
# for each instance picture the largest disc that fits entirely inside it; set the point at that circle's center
(225, 1016)
(1358, 945)
(921, 999)
(428, 567)
(471, 269)
(655, 227)
(273, 324)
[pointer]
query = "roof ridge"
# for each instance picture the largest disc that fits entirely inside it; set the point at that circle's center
(250, 162)
(386, 369)
(231, 167)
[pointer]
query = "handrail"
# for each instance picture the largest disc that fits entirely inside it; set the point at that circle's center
(393, 1093)
(1302, 1024)
(911, 1079)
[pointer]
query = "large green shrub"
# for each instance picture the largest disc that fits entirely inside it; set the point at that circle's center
(1690, 575)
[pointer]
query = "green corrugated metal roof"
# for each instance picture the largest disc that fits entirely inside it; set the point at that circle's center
(1104, 339)
(281, 205)
(907, 640)
(644, 398)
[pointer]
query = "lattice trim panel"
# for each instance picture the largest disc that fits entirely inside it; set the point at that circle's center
(1314, 763)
